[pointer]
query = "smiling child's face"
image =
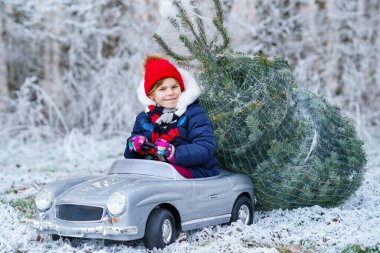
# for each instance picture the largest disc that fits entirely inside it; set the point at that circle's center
(166, 95)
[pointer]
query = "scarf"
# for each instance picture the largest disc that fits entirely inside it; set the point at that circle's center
(164, 124)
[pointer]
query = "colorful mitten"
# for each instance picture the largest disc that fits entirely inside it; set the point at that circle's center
(164, 148)
(135, 143)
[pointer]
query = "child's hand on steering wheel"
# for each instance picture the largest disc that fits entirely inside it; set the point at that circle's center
(164, 148)
(135, 143)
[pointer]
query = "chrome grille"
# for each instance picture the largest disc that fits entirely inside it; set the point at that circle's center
(72, 212)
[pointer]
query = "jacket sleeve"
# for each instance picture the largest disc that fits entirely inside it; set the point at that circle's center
(202, 141)
(143, 126)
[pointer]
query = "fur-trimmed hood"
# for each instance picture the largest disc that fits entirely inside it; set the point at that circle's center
(188, 96)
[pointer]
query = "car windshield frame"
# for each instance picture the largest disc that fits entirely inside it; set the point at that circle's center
(145, 167)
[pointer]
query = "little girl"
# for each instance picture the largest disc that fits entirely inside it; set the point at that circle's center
(174, 120)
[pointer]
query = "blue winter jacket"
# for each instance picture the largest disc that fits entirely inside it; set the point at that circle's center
(197, 149)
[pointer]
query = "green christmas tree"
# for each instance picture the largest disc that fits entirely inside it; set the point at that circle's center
(298, 149)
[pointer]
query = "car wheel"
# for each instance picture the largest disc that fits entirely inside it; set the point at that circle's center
(242, 210)
(55, 237)
(160, 229)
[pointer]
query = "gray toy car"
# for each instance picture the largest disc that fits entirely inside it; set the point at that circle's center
(141, 199)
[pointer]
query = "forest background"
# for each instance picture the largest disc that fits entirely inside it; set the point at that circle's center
(68, 65)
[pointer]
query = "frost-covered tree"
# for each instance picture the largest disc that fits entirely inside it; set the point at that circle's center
(298, 149)
(332, 46)
(86, 56)
(82, 57)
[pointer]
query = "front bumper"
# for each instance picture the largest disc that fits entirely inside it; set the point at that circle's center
(95, 231)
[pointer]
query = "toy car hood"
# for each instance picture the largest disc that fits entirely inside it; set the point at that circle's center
(100, 186)
(123, 175)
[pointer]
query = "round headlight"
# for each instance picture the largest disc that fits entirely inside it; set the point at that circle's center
(43, 200)
(117, 203)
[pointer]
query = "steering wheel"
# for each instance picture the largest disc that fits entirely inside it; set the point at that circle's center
(150, 153)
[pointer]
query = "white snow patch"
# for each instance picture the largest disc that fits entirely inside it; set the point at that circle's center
(167, 9)
(28, 166)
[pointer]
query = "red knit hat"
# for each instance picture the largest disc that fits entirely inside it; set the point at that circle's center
(157, 68)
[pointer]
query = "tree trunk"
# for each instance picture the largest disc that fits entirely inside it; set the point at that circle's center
(52, 82)
(4, 91)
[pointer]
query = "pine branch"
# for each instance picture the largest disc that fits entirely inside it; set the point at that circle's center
(218, 23)
(192, 47)
(174, 23)
(187, 22)
(169, 51)
(219, 11)
(201, 27)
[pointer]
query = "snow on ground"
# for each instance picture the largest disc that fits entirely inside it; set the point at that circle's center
(26, 167)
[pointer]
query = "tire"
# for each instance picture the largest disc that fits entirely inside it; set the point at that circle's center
(160, 230)
(55, 237)
(241, 209)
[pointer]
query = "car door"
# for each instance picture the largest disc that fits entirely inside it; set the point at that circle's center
(211, 195)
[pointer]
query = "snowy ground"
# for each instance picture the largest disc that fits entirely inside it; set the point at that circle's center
(25, 167)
